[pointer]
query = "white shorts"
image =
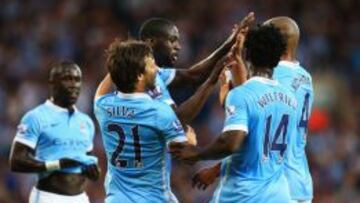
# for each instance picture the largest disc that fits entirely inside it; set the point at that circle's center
(39, 196)
(300, 201)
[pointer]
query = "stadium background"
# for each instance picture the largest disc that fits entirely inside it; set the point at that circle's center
(35, 33)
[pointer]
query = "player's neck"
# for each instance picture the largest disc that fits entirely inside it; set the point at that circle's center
(62, 104)
(139, 88)
(263, 72)
(289, 56)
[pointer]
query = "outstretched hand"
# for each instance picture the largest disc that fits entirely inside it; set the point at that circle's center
(245, 23)
(205, 177)
(91, 171)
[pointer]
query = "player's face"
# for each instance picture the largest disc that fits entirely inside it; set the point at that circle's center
(150, 73)
(166, 48)
(66, 86)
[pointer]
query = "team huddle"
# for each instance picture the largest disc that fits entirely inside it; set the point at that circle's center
(267, 98)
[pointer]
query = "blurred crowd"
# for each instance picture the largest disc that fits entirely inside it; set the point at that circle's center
(35, 33)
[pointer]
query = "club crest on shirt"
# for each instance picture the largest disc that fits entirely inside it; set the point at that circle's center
(155, 93)
(83, 129)
(230, 110)
(177, 125)
(21, 129)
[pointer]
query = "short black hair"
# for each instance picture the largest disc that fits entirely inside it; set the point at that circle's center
(154, 27)
(58, 67)
(264, 46)
(125, 62)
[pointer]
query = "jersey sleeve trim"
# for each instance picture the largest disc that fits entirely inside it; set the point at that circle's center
(169, 101)
(176, 139)
(25, 142)
(236, 127)
(90, 148)
(171, 77)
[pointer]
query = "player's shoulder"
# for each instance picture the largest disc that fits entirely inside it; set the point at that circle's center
(162, 108)
(106, 98)
(295, 67)
(37, 112)
(242, 92)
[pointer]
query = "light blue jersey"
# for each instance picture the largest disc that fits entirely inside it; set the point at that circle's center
(136, 130)
(164, 77)
(54, 134)
(298, 80)
(265, 110)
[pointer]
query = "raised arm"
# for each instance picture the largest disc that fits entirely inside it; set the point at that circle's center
(198, 73)
(104, 87)
(189, 109)
(237, 72)
(226, 144)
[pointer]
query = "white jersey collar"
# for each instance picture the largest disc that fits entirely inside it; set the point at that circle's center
(290, 64)
(51, 104)
(135, 95)
(264, 80)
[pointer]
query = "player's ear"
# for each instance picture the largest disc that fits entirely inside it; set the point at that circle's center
(150, 41)
(141, 77)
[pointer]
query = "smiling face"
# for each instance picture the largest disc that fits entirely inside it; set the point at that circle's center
(65, 84)
(166, 47)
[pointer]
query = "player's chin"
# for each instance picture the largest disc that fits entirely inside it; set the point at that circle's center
(72, 99)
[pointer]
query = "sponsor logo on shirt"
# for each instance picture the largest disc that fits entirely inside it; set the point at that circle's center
(155, 93)
(230, 110)
(21, 129)
(177, 125)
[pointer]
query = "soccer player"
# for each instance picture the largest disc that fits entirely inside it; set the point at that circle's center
(260, 118)
(290, 73)
(55, 141)
(163, 37)
(136, 129)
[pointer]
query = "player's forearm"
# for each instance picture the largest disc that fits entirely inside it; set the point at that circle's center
(203, 69)
(189, 109)
(27, 165)
(239, 73)
(225, 145)
(216, 151)
(104, 87)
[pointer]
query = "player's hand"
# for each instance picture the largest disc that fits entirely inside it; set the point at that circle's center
(244, 23)
(205, 177)
(91, 171)
(234, 61)
(224, 87)
(191, 135)
(68, 163)
(184, 152)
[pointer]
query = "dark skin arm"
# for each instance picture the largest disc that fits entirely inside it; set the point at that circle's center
(198, 73)
(226, 144)
(188, 110)
(207, 176)
(22, 159)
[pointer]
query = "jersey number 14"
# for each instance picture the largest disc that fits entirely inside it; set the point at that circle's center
(281, 130)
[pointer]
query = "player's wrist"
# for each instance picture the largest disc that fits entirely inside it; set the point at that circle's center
(52, 165)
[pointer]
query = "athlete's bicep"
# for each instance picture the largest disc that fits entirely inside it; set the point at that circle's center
(28, 131)
(104, 87)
